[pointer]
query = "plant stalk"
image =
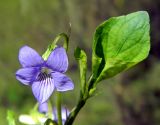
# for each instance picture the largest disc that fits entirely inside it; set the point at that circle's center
(81, 103)
(75, 112)
(58, 105)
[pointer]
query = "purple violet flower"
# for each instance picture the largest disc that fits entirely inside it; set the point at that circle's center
(44, 75)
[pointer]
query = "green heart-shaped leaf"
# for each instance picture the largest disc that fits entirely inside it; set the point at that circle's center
(120, 43)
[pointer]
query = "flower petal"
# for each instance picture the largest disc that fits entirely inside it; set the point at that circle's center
(58, 60)
(55, 118)
(62, 82)
(27, 75)
(43, 107)
(43, 89)
(64, 112)
(28, 57)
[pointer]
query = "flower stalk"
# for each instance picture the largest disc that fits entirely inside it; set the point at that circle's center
(75, 112)
(53, 45)
(58, 105)
(82, 100)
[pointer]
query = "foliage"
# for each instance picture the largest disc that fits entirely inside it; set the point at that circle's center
(120, 43)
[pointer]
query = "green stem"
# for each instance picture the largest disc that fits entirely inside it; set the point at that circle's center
(58, 104)
(53, 45)
(75, 112)
(83, 98)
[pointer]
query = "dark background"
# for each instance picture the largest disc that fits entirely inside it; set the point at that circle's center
(131, 98)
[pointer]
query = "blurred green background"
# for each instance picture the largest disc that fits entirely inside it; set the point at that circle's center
(131, 98)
